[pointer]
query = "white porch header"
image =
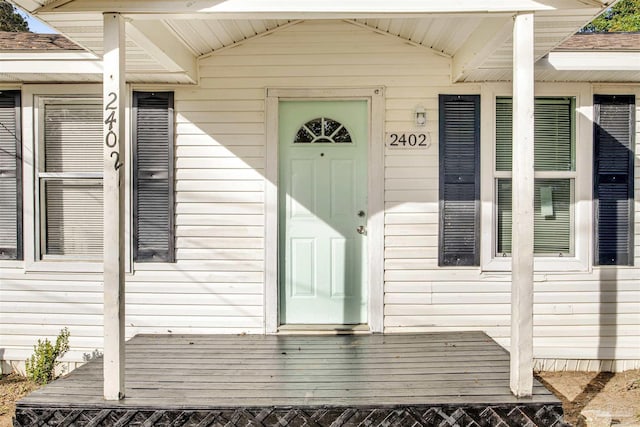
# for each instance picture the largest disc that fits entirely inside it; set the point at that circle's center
(296, 9)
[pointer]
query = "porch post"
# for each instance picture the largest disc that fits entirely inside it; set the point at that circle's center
(113, 184)
(523, 193)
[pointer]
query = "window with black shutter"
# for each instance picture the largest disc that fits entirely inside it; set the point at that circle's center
(10, 176)
(459, 180)
(153, 194)
(614, 123)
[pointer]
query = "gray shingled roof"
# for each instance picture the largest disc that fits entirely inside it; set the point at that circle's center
(602, 41)
(33, 41)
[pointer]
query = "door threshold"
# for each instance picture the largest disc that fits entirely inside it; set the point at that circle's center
(304, 329)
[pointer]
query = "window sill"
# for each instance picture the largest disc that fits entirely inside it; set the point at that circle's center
(11, 263)
(65, 267)
(546, 264)
(164, 266)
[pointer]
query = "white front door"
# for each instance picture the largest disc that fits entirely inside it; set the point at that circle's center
(323, 212)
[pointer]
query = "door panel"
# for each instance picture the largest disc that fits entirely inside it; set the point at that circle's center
(322, 190)
(303, 256)
(303, 193)
(342, 186)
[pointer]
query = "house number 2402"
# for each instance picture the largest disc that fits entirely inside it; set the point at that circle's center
(408, 140)
(111, 138)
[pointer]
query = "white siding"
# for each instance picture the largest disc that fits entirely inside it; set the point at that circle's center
(39, 305)
(217, 283)
(578, 317)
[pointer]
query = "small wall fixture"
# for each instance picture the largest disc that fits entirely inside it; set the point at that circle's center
(421, 116)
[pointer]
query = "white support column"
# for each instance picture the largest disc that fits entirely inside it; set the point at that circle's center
(114, 133)
(523, 192)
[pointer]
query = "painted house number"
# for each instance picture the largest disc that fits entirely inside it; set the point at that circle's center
(408, 140)
(111, 138)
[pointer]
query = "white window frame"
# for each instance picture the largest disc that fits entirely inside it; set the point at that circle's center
(32, 113)
(87, 178)
(582, 179)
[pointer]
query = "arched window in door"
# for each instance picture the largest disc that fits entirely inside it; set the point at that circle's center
(323, 130)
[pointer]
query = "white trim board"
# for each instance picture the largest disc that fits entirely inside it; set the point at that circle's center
(375, 173)
(280, 8)
(590, 61)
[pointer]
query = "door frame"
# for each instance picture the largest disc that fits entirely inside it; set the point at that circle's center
(375, 197)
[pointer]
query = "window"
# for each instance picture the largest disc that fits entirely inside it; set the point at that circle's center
(459, 180)
(153, 191)
(555, 175)
(69, 180)
(614, 124)
(322, 130)
(10, 176)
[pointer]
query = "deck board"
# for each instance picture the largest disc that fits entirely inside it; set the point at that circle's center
(202, 370)
(199, 372)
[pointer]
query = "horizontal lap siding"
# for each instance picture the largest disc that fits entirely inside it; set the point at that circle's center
(39, 305)
(221, 128)
(590, 315)
(216, 283)
(220, 160)
(602, 306)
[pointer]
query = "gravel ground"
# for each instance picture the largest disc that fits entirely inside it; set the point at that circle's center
(597, 399)
(589, 398)
(12, 388)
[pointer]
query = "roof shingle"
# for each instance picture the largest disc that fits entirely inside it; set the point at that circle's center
(602, 41)
(33, 41)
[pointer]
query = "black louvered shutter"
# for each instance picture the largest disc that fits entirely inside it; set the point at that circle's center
(613, 179)
(153, 177)
(459, 180)
(10, 176)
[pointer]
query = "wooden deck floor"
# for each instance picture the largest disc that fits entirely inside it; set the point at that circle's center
(204, 372)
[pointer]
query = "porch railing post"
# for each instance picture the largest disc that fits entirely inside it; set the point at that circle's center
(113, 186)
(523, 194)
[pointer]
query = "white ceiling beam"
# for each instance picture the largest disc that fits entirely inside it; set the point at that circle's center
(28, 5)
(161, 44)
(62, 55)
(481, 44)
(305, 16)
(590, 61)
(387, 34)
(295, 9)
(77, 66)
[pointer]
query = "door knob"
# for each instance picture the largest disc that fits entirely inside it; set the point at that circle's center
(362, 230)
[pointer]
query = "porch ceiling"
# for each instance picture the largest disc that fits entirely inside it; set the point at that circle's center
(165, 38)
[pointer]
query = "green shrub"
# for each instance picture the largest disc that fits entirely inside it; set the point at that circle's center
(41, 365)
